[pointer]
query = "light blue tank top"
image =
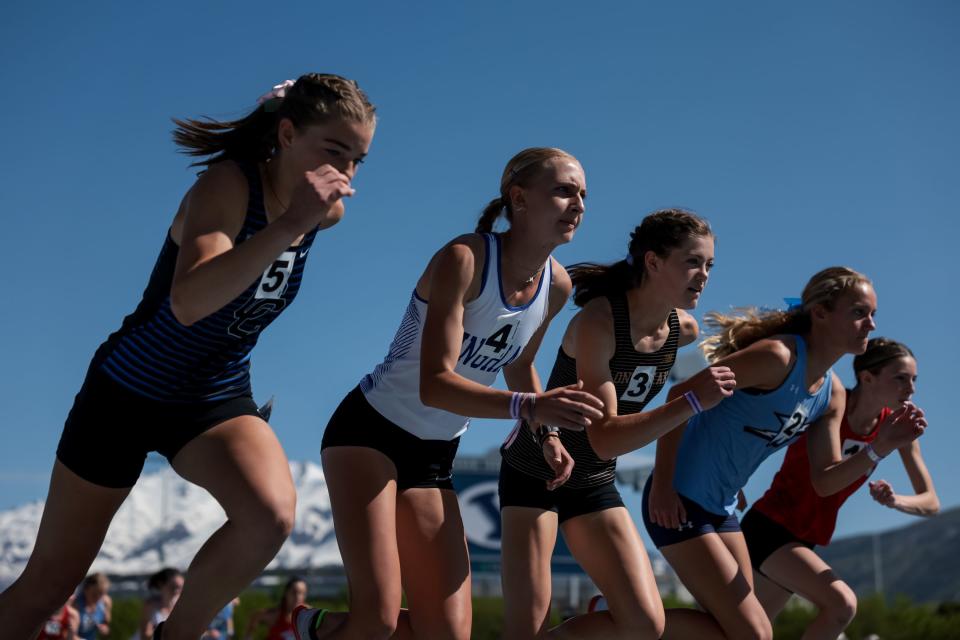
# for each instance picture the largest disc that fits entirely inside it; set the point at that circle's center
(89, 619)
(723, 446)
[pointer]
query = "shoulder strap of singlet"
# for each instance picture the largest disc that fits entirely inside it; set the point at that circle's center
(621, 321)
(674, 323)
(487, 259)
(547, 285)
(800, 367)
(256, 216)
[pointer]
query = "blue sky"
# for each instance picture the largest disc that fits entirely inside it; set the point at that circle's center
(809, 134)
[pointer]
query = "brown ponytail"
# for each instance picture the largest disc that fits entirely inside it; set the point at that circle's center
(313, 98)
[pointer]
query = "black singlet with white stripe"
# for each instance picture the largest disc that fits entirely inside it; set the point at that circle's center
(637, 377)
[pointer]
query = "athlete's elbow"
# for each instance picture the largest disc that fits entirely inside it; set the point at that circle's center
(430, 393)
(600, 441)
(603, 450)
(822, 487)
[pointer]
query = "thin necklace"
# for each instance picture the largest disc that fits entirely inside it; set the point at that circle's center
(529, 281)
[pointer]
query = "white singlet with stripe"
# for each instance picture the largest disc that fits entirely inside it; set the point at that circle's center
(494, 335)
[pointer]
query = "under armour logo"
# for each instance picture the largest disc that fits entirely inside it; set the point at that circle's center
(685, 525)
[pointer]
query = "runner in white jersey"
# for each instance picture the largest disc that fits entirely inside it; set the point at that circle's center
(494, 335)
(482, 305)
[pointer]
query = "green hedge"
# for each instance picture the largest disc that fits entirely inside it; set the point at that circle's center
(901, 620)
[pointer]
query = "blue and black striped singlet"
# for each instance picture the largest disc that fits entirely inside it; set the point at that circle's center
(153, 355)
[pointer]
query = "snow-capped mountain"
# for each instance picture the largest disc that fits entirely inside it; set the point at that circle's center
(164, 521)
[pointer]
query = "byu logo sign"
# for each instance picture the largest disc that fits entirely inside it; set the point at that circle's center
(480, 507)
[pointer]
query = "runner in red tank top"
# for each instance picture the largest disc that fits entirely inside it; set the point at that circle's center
(62, 625)
(279, 617)
(791, 518)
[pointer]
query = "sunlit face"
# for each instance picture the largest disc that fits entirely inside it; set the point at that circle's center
(683, 274)
(343, 144)
(551, 206)
(894, 384)
(296, 595)
(851, 320)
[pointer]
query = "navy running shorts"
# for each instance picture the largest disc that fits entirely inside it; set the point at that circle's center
(699, 522)
(110, 429)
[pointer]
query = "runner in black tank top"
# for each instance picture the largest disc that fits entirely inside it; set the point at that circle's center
(622, 346)
(637, 376)
(175, 377)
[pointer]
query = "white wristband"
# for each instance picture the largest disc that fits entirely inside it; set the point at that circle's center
(872, 453)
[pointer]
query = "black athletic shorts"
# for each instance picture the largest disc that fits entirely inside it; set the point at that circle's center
(764, 536)
(518, 489)
(419, 463)
(110, 429)
(699, 522)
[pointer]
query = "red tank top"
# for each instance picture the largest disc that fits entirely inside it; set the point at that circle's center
(57, 627)
(282, 629)
(791, 500)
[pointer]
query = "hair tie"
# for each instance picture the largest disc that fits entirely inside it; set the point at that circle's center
(271, 99)
(629, 259)
(793, 304)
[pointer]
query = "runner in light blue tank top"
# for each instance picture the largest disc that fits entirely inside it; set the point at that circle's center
(723, 446)
(782, 363)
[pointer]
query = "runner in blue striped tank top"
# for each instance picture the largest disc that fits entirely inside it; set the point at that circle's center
(622, 345)
(784, 387)
(175, 377)
(481, 306)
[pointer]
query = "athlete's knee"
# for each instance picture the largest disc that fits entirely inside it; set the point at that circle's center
(641, 623)
(652, 627)
(446, 623)
(841, 603)
(277, 522)
(648, 630)
(455, 631)
(374, 627)
(756, 626)
(284, 513)
(269, 519)
(525, 622)
(374, 612)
